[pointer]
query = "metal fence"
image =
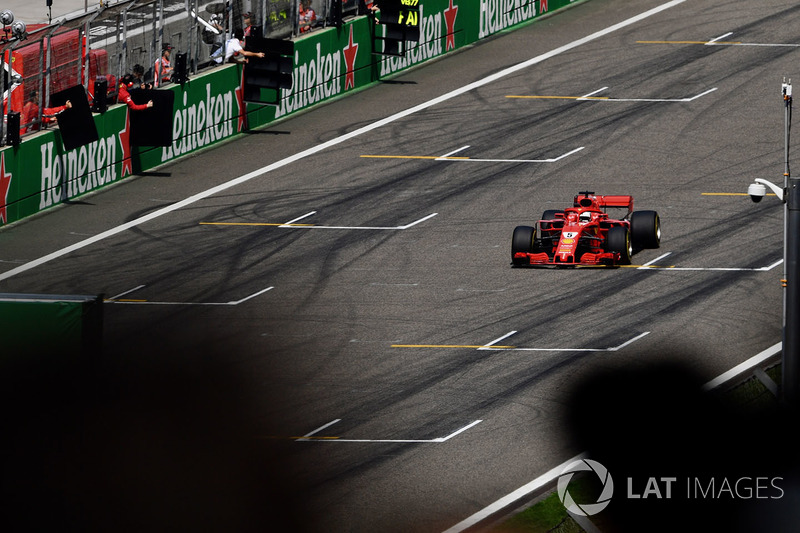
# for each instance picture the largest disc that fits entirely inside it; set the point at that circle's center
(103, 43)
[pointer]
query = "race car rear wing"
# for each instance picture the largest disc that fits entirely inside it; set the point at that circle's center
(588, 199)
(616, 201)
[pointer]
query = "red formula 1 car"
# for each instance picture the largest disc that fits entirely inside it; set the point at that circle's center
(584, 234)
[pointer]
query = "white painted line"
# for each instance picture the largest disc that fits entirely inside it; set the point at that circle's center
(336, 141)
(480, 290)
(324, 426)
(654, 261)
(712, 269)
(477, 160)
(423, 219)
(651, 266)
(492, 343)
(773, 265)
(744, 367)
(294, 220)
(550, 349)
(458, 431)
(587, 96)
(538, 483)
(146, 302)
(361, 228)
(576, 150)
(768, 45)
(259, 293)
(449, 154)
(714, 41)
(699, 95)
(382, 441)
(385, 441)
(687, 99)
(437, 440)
(548, 477)
(120, 295)
(291, 225)
(626, 343)
(612, 349)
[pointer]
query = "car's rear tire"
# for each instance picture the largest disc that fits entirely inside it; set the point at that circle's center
(645, 229)
(618, 240)
(522, 242)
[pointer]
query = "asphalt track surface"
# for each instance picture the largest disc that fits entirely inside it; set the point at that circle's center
(341, 344)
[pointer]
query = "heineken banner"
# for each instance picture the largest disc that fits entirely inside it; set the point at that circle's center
(211, 107)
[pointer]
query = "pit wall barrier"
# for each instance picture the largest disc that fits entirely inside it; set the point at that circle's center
(209, 108)
(69, 327)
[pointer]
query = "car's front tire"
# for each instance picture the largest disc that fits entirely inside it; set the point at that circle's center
(618, 240)
(522, 242)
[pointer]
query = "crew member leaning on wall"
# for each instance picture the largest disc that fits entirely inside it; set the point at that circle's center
(328, 62)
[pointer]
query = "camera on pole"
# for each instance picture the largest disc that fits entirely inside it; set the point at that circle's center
(790, 196)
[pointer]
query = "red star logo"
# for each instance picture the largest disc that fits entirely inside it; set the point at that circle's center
(450, 19)
(350, 53)
(240, 102)
(5, 185)
(125, 142)
(542, 6)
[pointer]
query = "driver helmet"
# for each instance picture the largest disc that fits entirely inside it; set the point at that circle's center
(585, 217)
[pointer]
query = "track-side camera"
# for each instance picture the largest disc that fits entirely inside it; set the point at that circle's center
(757, 191)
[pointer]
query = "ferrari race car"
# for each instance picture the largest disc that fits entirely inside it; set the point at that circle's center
(584, 234)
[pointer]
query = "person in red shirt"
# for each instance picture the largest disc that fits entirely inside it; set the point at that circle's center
(30, 112)
(124, 96)
(248, 24)
(50, 113)
(307, 16)
(162, 70)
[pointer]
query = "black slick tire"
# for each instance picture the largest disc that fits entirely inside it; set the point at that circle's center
(522, 242)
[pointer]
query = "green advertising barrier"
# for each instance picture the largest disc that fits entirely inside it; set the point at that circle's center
(49, 327)
(209, 108)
